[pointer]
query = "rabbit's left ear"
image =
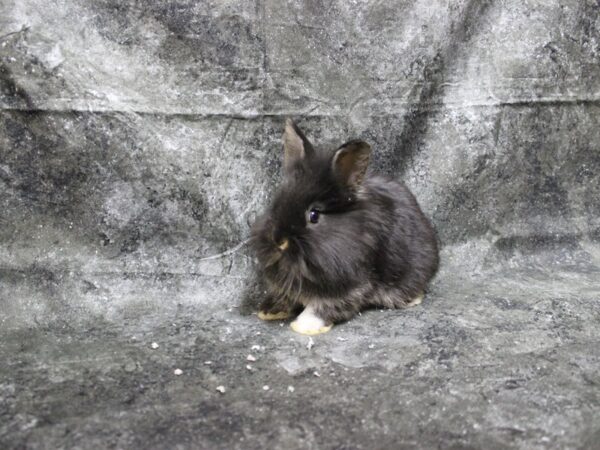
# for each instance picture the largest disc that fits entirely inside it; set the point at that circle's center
(295, 145)
(350, 162)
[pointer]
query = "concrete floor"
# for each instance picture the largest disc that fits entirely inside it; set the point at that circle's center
(504, 359)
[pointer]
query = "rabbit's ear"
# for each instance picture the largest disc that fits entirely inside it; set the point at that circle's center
(295, 145)
(350, 162)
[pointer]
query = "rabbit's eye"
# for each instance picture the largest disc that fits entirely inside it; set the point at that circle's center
(313, 216)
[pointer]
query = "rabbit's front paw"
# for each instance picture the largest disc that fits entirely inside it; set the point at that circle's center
(309, 323)
(281, 315)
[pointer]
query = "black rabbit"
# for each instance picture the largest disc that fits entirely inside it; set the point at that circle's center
(335, 241)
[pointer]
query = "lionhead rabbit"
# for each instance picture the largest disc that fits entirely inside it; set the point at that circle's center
(335, 240)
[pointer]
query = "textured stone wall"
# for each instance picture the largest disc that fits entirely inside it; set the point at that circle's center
(139, 138)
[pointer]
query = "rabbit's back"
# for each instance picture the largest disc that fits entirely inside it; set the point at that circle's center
(407, 255)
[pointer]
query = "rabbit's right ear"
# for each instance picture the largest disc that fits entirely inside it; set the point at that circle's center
(350, 162)
(295, 145)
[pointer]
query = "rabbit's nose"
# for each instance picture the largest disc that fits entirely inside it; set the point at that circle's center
(283, 244)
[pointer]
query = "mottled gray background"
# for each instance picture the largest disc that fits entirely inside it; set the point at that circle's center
(139, 138)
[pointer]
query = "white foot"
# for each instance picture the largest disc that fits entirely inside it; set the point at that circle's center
(309, 323)
(416, 301)
(276, 316)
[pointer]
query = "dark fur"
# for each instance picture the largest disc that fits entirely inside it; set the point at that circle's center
(372, 246)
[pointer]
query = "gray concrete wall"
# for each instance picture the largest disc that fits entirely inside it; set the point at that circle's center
(139, 138)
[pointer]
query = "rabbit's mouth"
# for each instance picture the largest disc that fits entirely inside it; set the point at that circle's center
(283, 245)
(281, 248)
(277, 249)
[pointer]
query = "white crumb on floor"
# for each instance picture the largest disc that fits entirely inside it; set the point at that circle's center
(256, 347)
(178, 372)
(371, 346)
(316, 374)
(291, 389)
(250, 358)
(310, 343)
(221, 389)
(266, 388)
(208, 363)
(249, 367)
(341, 339)
(154, 345)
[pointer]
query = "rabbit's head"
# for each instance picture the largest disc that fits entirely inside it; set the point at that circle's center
(314, 238)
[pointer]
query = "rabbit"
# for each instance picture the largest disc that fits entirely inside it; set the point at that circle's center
(336, 240)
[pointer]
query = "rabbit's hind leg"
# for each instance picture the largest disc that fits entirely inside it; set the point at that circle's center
(416, 300)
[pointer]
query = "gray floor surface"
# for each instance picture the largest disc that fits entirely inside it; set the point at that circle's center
(503, 359)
